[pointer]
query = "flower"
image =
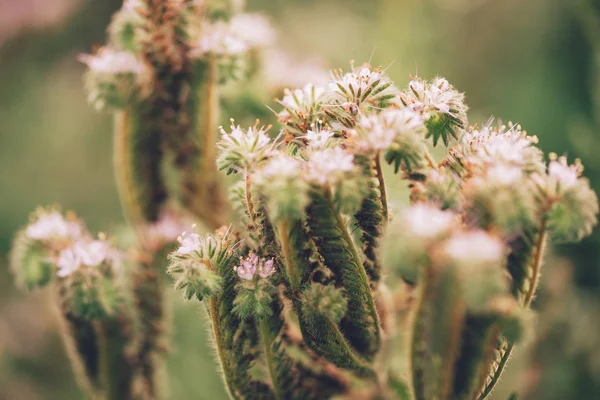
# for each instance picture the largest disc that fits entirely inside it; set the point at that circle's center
(189, 243)
(366, 85)
(329, 165)
(301, 104)
(504, 174)
(427, 222)
(241, 149)
(92, 253)
(110, 61)
(565, 175)
(52, 225)
(252, 265)
(318, 139)
(475, 247)
(378, 132)
(68, 262)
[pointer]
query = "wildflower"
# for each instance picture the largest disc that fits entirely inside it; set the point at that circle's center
(475, 247)
(318, 139)
(114, 78)
(301, 108)
(52, 225)
(252, 266)
(242, 149)
(113, 62)
(92, 253)
(329, 165)
(566, 176)
(188, 243)
(427, 222)
(68, 262)
(441, 105)
(366, 86)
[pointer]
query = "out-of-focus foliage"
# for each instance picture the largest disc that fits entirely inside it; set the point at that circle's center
(541, 71)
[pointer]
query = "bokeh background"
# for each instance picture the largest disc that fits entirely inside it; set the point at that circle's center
(535, 62)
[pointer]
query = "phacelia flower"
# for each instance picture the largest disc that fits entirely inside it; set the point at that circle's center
(253, 266)
(188, 243)
(241, 149)
(52, 226)
(427, 222)
(318, 139)
(92, 253)
(441, 105)
(114, 78)
(69, 260)
(301, 108)
(330, 165)
(364, 87)
(475, 247)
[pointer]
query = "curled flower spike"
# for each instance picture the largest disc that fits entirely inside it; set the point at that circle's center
(363, 88)
(302, 108)
(285, 190)
(397, 133)
(573, 205)
(510, 146)
(114, 78)
(441, 105)
(253, 266)
(242, 149)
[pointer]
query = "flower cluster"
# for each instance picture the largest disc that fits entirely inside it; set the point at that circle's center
(242, 149)
(115, 78)
(254, 266)
(53, 246)
(441, 105)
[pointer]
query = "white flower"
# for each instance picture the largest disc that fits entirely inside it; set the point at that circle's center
(254, 29)
(53, 226)
(317, 140)
(218, 38)
(280, 166)
(475, 247)
(565, 175)
(189, 243)
(352, 87)
(110, 61)
(504, 174)
(427, 222)
(329, 165)
(68, 262)
(378, 132)
(302, 99)
(92, 253)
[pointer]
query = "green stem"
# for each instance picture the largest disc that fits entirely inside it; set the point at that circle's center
(104, 361)
(382, 189)
(267, 341)
(364, 279)
(123, 167)
(213, 311)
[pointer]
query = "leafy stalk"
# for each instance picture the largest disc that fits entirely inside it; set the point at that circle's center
(334, 243)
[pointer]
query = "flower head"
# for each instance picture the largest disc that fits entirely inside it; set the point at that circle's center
(330, 165)
(253, 266)
(53, 226)
(475, 247)
(189, 243)
(425, 221)
(241, 149)
(68, 262)
(441, 105)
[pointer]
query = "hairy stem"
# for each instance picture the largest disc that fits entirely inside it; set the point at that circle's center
(382, 189)
(267, 341)
(213, 312)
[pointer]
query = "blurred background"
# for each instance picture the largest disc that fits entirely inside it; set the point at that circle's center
(535, 62)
